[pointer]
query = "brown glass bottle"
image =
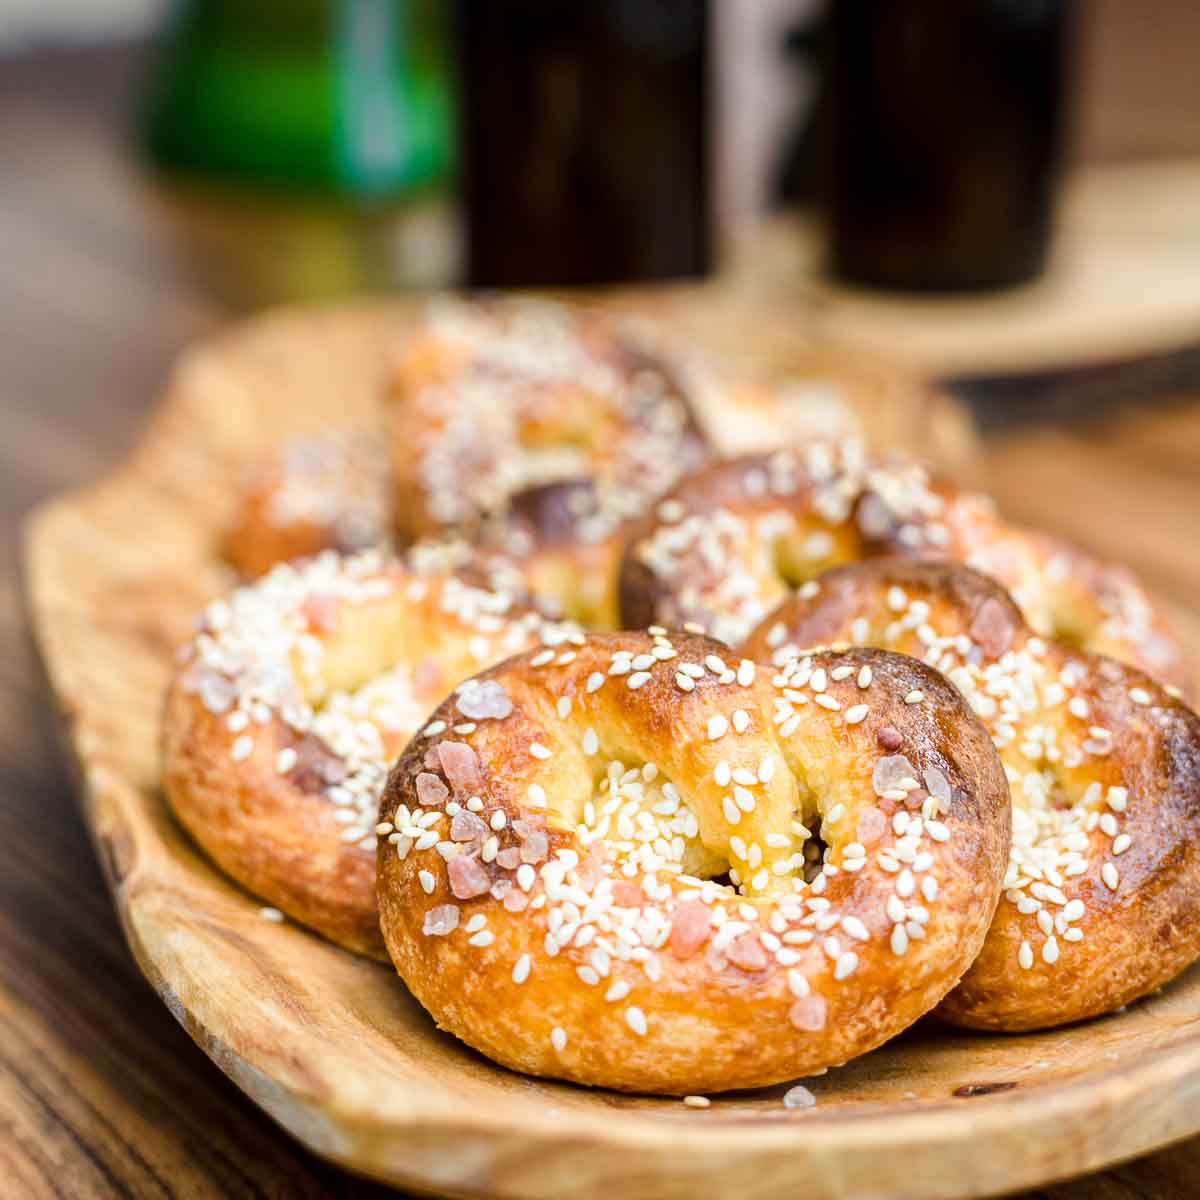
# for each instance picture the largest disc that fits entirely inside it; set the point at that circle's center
(947, 121)
(583, 140)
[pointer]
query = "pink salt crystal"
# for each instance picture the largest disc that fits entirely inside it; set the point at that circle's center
(535, 847)
(747, 952)
(890, 771)
(890, 738)
(427, 677)
(431, 791)
(871, 825)
(509, 859)
(691, 923)
(627, 895)
(441, 920)
(992, 628)
(432, 760)
(938, 786)
(516, 901)
(467, 877)
(487, 699)
(461, 765)
(589, 872)
(874, 517)
(808, 1013)
(467, 827)
(320, 611)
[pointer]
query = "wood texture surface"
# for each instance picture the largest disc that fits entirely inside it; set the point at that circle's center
(101, 1092)
(331, 1046)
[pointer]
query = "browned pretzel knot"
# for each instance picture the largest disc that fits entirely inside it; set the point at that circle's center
(732, 540)
(653, 868)
(539, 431)
(294, 696)
(1104, 766)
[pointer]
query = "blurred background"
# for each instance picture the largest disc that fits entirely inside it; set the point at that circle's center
(982, 188)
(427, 141)
(1000, 195)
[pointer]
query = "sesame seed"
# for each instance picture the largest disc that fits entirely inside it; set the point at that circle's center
(1050, 951)
(636, 1020)
(855, 928)
(591, 741)
(798, 1097)
(825, 700)
(428, 882)
(865, 676)
(697, 1101)
(717, 727)
(746, 672)
(684, 682)
(715, 665)
(484, 937)
(914, 697)
(535, 795)
(595, 681)
(1025, 956)
(521, 968)
(558, 1038)
(541, 658)
(638, 679)
(434, 728)
(268, 913)
(1121, 843)
(732, 813)
(498, 819)
(846, 965)
(938, 831)
(242, 748)
(1111, 876)
(741, 720)
(1139, 695)
(722, 774)
(856, 713)
(899, 941)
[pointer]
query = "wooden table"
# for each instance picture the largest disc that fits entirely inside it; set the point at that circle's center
(106, 275)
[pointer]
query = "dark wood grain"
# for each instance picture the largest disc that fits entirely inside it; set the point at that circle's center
(107, 275)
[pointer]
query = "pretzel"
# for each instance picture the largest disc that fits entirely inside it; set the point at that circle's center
(623, 881)
(538, 431)
(1104, 767)
(293, 697)
(731, 540)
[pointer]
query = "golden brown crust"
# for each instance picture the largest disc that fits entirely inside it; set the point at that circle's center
(539, 431)
(315, 493)
(731, 540)
(559, 925)
(292, 699)
(1104, 764)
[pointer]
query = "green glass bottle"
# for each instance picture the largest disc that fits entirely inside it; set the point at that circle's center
(343, 96)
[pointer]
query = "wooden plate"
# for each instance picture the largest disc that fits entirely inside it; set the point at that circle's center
(332, 1046)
